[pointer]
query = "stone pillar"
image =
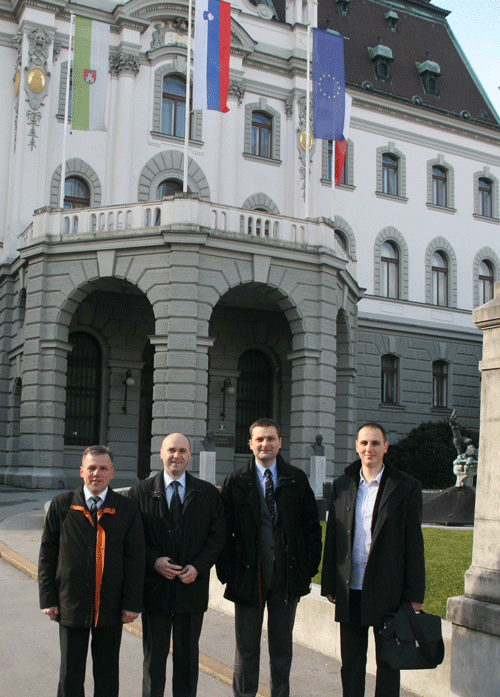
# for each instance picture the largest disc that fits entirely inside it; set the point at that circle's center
(207, 466)
(475, 616)
(318, 474)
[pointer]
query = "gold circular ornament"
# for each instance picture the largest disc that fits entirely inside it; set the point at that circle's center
(36, 80)
(16, 83)
(303, 139)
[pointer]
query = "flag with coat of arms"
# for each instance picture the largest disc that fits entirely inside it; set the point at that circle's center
(90, 75)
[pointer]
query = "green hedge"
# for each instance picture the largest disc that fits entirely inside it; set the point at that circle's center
(427, 453)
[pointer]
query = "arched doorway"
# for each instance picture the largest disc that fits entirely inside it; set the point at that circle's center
(254, 394)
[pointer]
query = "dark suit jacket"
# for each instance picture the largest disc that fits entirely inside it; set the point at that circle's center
(395, 569)
(67, 563)
(240, 564)
(202, 538)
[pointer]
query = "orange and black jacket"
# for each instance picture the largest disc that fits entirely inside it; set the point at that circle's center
(91, 573)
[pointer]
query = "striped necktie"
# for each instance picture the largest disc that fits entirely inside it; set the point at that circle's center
(271, 503)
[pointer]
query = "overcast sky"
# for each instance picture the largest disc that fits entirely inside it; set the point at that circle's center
(476, 25)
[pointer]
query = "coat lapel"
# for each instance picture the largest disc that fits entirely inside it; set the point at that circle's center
(393, 493)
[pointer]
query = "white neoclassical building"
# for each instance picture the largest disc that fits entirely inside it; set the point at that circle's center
(136, 310)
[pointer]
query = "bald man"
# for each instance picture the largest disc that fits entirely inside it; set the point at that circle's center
(185, 531)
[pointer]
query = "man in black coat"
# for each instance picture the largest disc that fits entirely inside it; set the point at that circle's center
(184, 529)
(90, 574)
(373, 557)
(273, 550)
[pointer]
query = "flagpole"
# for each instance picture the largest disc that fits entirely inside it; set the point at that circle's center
(333, 181)
(308, 109)
(66, 105)
(188, 102)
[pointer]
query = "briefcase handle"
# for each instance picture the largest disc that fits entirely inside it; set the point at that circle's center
(417, 631)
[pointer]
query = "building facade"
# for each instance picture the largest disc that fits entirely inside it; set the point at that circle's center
(136, 310)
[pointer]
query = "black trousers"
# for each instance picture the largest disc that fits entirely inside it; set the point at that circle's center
(185, 629)
(105, 647)
(353, 649)
(248, 626)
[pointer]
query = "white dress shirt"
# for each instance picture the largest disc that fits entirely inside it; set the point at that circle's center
(169, 490)
(365, 503)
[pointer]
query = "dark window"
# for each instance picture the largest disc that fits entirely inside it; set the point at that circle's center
(261, 134)
(173, 108)
(76, 193)
(168, 187)
(389, 270)
(439, 175)
(486, 281)
(390, 174)
(83, 391)
(389, 379)
(439, 279)
(254, 394)
(341, 239)
(439, 384)
(485, 198)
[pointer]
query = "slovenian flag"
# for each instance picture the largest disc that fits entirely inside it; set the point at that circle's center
(212, 44)
(90, 75)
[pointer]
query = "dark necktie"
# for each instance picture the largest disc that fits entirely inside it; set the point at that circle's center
(176, 511)
(271, 504)
(93, 509)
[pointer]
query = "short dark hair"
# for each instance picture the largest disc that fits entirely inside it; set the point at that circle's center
(97, 450)
(373, 424)
(265, 423)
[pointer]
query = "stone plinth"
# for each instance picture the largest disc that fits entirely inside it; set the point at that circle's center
(207, 466)
(318, 474)
(475, 616)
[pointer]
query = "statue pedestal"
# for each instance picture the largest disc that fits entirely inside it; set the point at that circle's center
(475, 616)
(207, 466)
(318, 474)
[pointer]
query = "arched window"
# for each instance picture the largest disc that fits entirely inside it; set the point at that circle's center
(485, 197)
(439, 384)
(168, 187)
(261, 134)
(486, 282)
(173, 108)
(389, 174)
(439, 279)
(254, 394)
(389, 379)
(439, 186)
(389, 271)
(341, 239)
(83, 391)
(76, 193)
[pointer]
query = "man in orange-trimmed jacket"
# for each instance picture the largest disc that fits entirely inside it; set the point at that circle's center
(91, 574)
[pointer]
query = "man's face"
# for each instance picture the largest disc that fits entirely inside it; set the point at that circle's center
(97, 471)
(371, 448)
(175, 454)
(265, 444)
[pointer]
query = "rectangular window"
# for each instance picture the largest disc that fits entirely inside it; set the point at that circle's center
(389, 380)
(440, 384)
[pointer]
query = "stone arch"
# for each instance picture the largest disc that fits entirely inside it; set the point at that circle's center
(76, 167)
(261, 200)
(170, 164)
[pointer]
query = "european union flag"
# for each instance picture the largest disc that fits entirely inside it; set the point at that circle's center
(328, 85)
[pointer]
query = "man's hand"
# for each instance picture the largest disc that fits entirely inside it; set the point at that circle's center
(128, 616)
(51, 612)
(166, 567)
(330, 598)
(188, 574)
(416, 606)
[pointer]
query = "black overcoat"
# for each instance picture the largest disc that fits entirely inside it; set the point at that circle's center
(395, 569)
(67, 561)
(239, 565)
(202, 539)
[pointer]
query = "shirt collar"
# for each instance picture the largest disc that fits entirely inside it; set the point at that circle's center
(261, 470)
(168, 480)
(88, 494)
(377, 479)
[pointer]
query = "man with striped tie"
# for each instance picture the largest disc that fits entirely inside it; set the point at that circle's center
(273, 550)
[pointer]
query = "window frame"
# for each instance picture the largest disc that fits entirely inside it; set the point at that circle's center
(176, 66)
(348, 170)
(391, 150)
(485, 174)
(389, 266)
(389, 380)
(440, 384)
(275, 145)
(440, 273)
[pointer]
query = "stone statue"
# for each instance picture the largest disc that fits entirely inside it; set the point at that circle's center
(158, 38)
(318, 447)
(208, 443)
(459, 441)
(465, 467)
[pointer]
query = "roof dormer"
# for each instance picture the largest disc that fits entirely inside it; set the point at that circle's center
(381, 57)
(430, 72)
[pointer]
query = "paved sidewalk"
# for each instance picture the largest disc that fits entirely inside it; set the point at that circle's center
(29, 650)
